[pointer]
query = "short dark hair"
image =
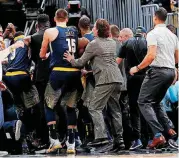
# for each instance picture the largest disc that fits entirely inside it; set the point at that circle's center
(103, 28)
(172, 28)
(61, 15)
(115, 31)
(161, 14)
(19, 33)
(84, 22)
(43, 20)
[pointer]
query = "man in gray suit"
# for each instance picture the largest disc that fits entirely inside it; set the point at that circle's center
(101, 53)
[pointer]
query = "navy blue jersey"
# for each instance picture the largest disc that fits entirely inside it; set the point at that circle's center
(19, 60)
(66, 41)
(89, 36)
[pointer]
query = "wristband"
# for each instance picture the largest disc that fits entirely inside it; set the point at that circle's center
(138, 68)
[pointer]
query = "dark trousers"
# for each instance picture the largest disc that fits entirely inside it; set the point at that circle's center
(42, 131)
(153, 90)
(133, 88)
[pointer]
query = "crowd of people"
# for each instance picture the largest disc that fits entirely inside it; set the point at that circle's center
(76, 88)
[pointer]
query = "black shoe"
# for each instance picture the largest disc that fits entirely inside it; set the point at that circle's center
(100, 141)
(117, 147)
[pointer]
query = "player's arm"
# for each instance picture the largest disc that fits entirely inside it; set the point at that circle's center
(45, 44)
(82, 42)
(4, 53)
(27, 40)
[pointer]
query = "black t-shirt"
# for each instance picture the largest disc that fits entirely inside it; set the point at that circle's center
(42, 66)
(133, 50)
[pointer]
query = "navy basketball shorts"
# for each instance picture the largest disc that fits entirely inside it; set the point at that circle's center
(25, 94)
(63, 87)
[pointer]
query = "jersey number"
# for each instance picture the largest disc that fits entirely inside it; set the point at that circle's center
(71, 45)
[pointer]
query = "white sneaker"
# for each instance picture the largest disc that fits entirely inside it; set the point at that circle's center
(18, 130)
(70, 148)
(3, 153)
(54, 145)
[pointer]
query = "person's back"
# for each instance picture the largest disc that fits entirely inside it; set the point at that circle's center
(64, 84)
(104, 65)
(19, 60)
(134, 50)
(166, 42)
(36, 41)
(65, 41)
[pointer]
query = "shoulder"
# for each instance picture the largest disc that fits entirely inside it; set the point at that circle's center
(51, 30)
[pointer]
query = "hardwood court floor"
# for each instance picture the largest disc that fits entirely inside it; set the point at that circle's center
(165, 155)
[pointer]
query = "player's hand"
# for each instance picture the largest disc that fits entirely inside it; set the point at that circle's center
(2, 86)
(133, 70)
(84, 72)
(67, 56)
(18, 44)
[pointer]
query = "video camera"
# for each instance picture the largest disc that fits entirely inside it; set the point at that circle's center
(74, 12)
(74, 9)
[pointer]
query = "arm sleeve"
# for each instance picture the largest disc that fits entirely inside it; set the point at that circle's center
(87, 55)
(151, 39)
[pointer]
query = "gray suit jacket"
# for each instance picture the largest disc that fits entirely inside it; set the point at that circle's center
(101, 53)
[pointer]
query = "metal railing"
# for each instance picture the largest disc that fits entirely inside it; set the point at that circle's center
(124, 13)
(148, 13)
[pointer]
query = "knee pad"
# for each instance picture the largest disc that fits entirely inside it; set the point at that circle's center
(72, 118)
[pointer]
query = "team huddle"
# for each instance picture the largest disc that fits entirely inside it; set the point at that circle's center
(75, 75)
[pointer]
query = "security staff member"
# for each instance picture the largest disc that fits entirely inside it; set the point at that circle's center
(134, 51)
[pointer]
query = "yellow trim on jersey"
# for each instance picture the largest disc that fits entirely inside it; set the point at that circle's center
(15, 73)
(65, 69)
(19, 37)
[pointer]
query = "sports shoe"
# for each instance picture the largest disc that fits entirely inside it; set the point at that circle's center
(18, 130)
(70, 148)
(136, 144)
(3, 153)
(54, 145)
(157, 140)
(172, 134)
(99, 141)
(173, 144)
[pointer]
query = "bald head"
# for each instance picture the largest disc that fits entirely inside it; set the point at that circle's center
(125, 34)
